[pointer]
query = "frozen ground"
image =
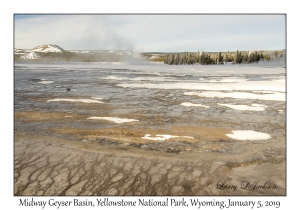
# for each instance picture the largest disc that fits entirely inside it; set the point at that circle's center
(224, 109)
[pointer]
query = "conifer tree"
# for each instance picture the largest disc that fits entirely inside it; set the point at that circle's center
(220, 58)
(167, 59)
(172, 60)
(238, 58)
(177, 59)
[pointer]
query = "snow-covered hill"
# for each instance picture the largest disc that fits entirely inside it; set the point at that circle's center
(19, 51)
(48, 48)
(54, 53)
(30, 55)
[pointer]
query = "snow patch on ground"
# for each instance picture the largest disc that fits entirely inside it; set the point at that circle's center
(116, 78)
(188, 104)
(75, 100)
(280, 80)
(248, 135)
(163, 137)
(46, 82)
(113, 119)
(248, 86)
(226, 80)
(97, 98)
(161, 79)
(266, 92)
(253, 107)
(274, 96)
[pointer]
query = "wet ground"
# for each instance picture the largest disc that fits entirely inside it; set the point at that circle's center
(59, 151)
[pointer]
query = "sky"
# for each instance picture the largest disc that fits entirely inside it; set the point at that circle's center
(151, 33)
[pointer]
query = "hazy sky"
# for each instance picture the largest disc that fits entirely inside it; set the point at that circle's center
(149, 33)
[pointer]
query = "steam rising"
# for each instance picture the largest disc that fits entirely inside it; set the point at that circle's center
(73, 32)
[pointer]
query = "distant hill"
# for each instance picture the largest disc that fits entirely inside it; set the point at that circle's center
(34, 53)
(48, 48)
(55, 53)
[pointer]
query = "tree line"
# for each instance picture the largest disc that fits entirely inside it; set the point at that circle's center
(217, 58)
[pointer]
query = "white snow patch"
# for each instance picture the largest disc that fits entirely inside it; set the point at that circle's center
(248, 86)
(68, 116)
(30, 55)
(153, 79)
(188, 104)
(279, 80)
(233, 79)
(248, 135)
(163, 137)
(97, 98)
(113, 119)
(116, 78)
(75, 100)
(274, 96)
(162, 79)
(259, 105)
(253, 107)
(272, 92)
(46, 82)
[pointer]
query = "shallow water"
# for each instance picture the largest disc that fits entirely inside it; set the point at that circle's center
(157, 90)
(194, 117)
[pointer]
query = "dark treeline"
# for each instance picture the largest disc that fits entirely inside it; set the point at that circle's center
(218, 58)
